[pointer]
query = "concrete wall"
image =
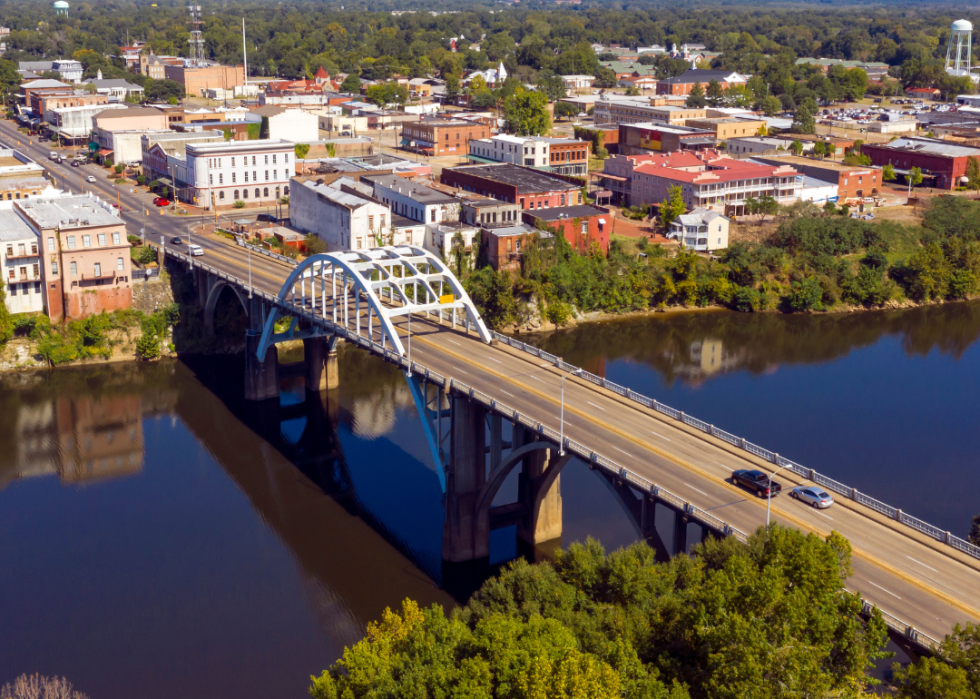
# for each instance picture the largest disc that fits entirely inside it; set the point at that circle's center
(295, 126)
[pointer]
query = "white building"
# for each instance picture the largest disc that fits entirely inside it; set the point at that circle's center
(819, 192)
(701, 229)
(294, 125)
(763, 145)
(414, 201)
(577, 82)
(68, 69)
(20, 263)
(343, 213)
(76, 122)
(117, 89)
(440, 238)
(219, 174)
(530, 151)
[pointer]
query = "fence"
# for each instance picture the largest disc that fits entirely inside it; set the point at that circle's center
(772, 457)
(266, 252)
(145, 274)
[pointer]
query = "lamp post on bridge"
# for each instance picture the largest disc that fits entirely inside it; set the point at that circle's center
(769, 494)
(409, 374)
(561, 438)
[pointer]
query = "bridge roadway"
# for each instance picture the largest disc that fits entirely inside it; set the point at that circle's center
(918, 580)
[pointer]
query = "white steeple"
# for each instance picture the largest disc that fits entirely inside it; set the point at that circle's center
(501, 72)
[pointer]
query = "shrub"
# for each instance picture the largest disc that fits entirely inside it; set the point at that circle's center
(141, 180)
(119, 169)
(239, 204)
(147, 347)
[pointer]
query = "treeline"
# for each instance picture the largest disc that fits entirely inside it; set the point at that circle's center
(816, 260)
(293, 39)
(602, 625)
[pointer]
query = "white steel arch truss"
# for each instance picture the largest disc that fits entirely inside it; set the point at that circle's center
(393, 281)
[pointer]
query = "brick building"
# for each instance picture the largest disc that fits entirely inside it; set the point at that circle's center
(197, 79)
(438, 136)
(943, 164)
(86, 265)
(683, 84)
(503, 246)
(619, 171)
(42, 104)
(582, 226)
(637, 139)
(852, 182)
(530, 188)
(729, 127)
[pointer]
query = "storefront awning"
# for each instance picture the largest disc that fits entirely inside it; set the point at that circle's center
(610, 177)
(105, 151)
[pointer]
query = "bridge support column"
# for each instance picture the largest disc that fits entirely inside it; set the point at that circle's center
(202, 282)
(261, 378)
(680, 533)
(648, 525)
(542, 522)
(461, 540)
(331, 370)
(314, 349)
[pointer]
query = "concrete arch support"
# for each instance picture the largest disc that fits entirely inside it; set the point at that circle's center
(214, 293)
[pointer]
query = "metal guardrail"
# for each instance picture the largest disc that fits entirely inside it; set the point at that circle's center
(145, 274)
(593, 458)
(772, 457)
(267, 253)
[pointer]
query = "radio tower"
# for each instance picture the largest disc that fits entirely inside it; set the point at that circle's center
(196, 41)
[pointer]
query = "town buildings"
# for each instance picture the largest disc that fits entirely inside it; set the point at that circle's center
(875, 71)
(701, 229)
(729, 127)
(86, 265)
(853, 182)
(440, 136)
(504, 245)
(532, 189)
(43, 104)
(344, 213)
(943, 164)
(619, 171)
(684, 83)
(20, 263)
(562, 155)
(21, 177)
(68, 69)
(117, 90)
(577, 82)
(119, 131)
(160, 151)
(74, 124)
(584, 227)
(197, 78)
(655, 138)
(751, 145)
(295, 125)
(219, 174)
(414, 201)
(487, 213)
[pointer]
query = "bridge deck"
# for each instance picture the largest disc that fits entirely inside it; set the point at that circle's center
(925, 583)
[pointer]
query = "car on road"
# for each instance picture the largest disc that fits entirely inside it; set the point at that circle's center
(90, 178)
(813, 496)
(176, 241)
(161, 201)
(74, 163)
(195, 250)
(757, 481)
(52, 155)
(267, 217)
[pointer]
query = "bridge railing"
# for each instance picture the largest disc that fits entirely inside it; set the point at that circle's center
(265, 251)
(847, 491)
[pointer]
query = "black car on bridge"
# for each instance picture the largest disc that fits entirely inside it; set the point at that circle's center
(756, 480)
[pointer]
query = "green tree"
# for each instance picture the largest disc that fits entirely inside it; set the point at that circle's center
(888, 172)
(526, 113)
(819, 149)
(805, 295)
(696, 99)
(163, 90)
(351, 84)
(672, 207)
(301, 149)
(914, 177)
(931, 678)
(770, 105)
(6, 319)
(797, 147)
(452, 87)
(566, 110)
(973, 173)
(974, 535)
(715, 95)
(803, 120)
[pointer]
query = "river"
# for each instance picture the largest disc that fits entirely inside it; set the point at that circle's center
(160, 537)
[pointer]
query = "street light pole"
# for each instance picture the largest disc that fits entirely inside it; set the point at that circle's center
(409, 374)
(249, 271)
(561, 429)
(769, 498)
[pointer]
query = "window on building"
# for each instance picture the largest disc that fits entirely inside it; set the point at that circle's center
(210, 179)
(37, 270)
(563, 200)
(71, 242)
(285, 158)
(86, 241)
(233, 178)
(102, 239)
(267, 160)
(244, 194)
(273, 158)
(257, 193)
(221, 178)
(33, 248)
(432, 215)
(54, 268)
(74, 269)
(221, 195)
(246, 176)
(266, 175)
(116, 238)
(253, 160)
(98, 269)
(13, 289)
(120, 265)
(286, 190)
(233, 161)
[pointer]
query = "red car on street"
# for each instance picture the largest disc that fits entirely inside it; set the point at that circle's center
(161, 201)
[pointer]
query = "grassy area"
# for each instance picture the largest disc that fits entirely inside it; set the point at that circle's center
(595, 164)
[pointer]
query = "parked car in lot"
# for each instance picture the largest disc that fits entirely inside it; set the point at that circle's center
(161, 201)
(813, 496)
(195, 250)
(756, 481)
(90, 178)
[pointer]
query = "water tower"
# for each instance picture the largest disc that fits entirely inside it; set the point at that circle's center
(61, 8)
(959, 50)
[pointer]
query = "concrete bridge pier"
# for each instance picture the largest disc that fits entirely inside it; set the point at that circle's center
(330, 366)
(541, 525)
(314, 351)
(462, 537)
(261, 378)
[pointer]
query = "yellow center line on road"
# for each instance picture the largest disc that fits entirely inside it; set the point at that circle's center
(805, 526)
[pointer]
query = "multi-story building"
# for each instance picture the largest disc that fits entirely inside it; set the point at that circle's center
(75, 123)
(85, 255)
(20, 263)
(529, 151)
(577, 82)
(729, 127)
(118, 131)
(196, 79)
(759, 145)
(615, 109)
(568, 157)
(41, 86)
(875, 71)
(414, 201)
(584, 227)
(486, 212)
(154, 66)
(618, 171)
(295, 125)
(675, 116)
(116, 89)
(504, 245)
(43, 104)
(219, 174)
(637, 139)
(68, 69)
(438, 136)
(684, 83)
(942, 163)
(157, 146)
(530, 188)
(21, 177)
(702, 230)
(853, 182)
(344, 213)
(724, 184)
